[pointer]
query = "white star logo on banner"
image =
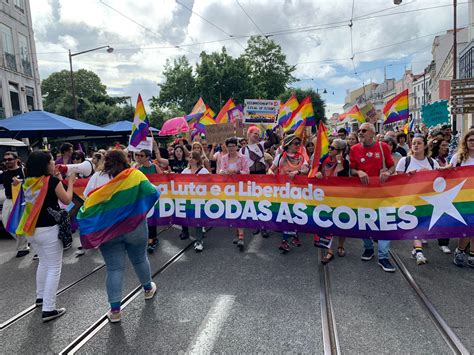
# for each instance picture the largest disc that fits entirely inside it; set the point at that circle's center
(443, 202)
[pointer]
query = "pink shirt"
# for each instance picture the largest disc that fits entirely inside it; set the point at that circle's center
(241, 162)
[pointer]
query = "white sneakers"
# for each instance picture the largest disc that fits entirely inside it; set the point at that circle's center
(151, 293)
(420, 258)
(445, 249)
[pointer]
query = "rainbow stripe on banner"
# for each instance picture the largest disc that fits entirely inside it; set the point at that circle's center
(428, 205)
(116, 208)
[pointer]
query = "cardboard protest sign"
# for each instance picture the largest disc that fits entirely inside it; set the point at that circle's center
(435, 113)
(370, 113)
(218, 133)
(261, 111)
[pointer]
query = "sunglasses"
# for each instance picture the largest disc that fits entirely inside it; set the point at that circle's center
(8, 159)
(296, 143)
(332, 148)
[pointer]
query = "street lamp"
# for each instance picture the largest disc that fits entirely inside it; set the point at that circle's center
(73, 91)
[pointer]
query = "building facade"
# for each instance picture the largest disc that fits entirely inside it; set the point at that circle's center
(20, 87)
(421, 94)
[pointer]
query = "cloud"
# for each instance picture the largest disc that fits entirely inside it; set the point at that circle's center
(314, 34)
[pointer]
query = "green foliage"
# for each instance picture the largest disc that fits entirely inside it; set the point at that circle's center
(260, 72)
(318, 104)
(93, 104)
(270, 72)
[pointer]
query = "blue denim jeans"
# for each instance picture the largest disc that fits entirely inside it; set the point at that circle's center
(384, 246)
(134, 245)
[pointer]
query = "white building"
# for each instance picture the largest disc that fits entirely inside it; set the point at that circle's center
(421, 94)
(20, 89)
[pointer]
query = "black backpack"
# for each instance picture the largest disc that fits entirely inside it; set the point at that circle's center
(408, 160)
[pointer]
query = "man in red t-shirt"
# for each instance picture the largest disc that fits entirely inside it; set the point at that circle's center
(372, 159)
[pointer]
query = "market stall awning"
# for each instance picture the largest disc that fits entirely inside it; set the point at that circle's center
(37, 124)
(123, 127)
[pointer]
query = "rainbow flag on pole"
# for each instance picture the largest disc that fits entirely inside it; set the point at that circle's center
(223, 116)
(320, 150)
(116, 208)
(141, 125)
(354, 113)
(397, 108)
(287, 109)
(304, 114)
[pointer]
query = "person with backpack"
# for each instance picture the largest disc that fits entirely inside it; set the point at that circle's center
(290, 163)
(417, 160)
(464, 157)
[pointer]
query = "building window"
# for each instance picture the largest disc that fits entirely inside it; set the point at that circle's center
(19, 5)
(30, 98)
(7, 42)
(24, 54)
(14, 98)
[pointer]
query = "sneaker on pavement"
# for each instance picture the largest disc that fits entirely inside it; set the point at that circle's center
(114, 317)
(264, 233)
(235, 240)
(183, 236)
(80, 252)
(296, 241)
(420, 258)
(424, 241)
(445, 249)
(39, 302)
(22, 253)
(150, 293)
(35, 257)
(386, 265)
(50, 315)
(368, 254)
(459, 258)
(470, 261)
(198, 246)
(284, 246)
(240, 244)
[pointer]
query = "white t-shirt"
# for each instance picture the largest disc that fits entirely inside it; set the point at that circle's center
(254, 148)
(97, 180)
(415, 165)
(202, 171)
(468, 162)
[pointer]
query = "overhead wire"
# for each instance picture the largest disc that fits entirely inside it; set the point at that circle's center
(251, 19)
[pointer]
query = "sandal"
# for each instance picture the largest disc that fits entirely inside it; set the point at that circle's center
(341, 252)
(327, 258)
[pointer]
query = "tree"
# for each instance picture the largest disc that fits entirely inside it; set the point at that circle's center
(319, 105)
(179, 87)
(93, 103)
(220, 77)
(269, 69)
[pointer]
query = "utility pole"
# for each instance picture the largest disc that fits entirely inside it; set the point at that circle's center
(455, 54)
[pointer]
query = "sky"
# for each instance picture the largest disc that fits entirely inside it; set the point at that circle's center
(320, 37)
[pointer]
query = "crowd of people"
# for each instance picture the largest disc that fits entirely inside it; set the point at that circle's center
(363, 154)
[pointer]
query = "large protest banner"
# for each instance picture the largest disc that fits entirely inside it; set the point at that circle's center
(431, 204)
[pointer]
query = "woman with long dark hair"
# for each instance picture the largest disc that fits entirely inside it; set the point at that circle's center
(41, 191)
(119, 231)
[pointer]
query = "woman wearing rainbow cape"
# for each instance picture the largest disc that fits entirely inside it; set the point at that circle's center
(30, 217)
(113, 218)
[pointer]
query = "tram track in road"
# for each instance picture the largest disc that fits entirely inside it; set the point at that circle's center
(20, 315)
(447, 333)
(95, 328)
(328, 319)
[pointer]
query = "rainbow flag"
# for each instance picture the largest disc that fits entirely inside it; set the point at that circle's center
(116, 208)
(354, 113)
(199, 107)
(320, 150)
(141, 125)
(304, 114)
(223, 115)
(27, 206)
(397, 108)
(287, 109)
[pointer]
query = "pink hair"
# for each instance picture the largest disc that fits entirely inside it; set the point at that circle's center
(253, 129)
